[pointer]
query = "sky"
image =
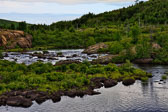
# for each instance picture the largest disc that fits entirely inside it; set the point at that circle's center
(49, 11)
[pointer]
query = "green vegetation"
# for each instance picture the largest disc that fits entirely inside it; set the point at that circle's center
(144, 79)
(136, 32)
(1, 55)
(46, 77)
(164, 77)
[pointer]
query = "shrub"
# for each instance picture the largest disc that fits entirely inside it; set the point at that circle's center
(164, 77)
(73, 66)
(144, 79)
(111, 67)
(126, 67)
(17, 85)
(115, 47)
(94, 70)
(115, 75)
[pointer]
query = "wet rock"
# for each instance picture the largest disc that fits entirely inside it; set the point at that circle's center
(6, 55)
(98, 82)
(41, 99)
(69, 57)
(110, 83)
(128, 82)
(52, 58)
(91, 92)
(144, 61)
(71, 93)
(3, 99)
(39, 55)
(60, 54)
(19, 101)
(67, 62)
(45, 52)
(56, 98)
(32, 95)
(80, 93)
(95, 48)
(93, 56)
(74, 55)
(98, 79)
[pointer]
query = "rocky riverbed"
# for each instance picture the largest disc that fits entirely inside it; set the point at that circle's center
(25, 98)
(51, 56)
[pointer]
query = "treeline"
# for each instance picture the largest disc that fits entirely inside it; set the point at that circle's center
(105, 27)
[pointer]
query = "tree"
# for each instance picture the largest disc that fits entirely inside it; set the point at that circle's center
(135, 32)
(22, 26)
(12, 27)
(90, 41)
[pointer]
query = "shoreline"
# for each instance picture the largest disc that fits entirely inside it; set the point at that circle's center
(25, 98)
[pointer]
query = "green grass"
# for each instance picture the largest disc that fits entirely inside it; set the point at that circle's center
(164, 77)
(46, 77)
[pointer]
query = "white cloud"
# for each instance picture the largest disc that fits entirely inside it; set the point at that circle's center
(73, 1)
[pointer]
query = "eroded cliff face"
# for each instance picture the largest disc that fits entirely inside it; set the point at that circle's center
(10, 39)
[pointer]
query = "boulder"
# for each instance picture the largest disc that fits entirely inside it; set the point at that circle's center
(56, 98)
(95, 48)
(143, 61)
(19, 101)
(128, 82)
(104, 59)
(67, 62)
(110, 83)
(12, 38)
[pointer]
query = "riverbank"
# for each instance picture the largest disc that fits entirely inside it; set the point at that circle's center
(40, 82)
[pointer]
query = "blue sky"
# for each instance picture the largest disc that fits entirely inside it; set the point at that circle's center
(48, 11)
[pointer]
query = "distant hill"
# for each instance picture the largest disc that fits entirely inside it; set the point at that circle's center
(149, 12)
(7, 23)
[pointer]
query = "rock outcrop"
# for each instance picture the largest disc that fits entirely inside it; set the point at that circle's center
(95, 48)
(12, 38)
(156, 46)
(144, 61)
(104, 59)
(66, 62)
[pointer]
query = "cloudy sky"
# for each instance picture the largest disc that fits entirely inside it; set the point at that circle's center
(48, 11)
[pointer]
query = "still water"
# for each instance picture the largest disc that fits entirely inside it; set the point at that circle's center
(140, 97)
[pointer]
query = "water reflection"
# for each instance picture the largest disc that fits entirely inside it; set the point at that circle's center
(140, 97)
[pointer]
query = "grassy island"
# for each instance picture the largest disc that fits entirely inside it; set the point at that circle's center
(66, 78)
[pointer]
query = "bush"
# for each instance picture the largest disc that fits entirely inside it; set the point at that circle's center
(144, 79)
(115, 47)
(164, 77)
(16, 85)
(111, 67)
(94, 70)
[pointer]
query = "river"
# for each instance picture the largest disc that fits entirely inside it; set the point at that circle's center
(140, 97)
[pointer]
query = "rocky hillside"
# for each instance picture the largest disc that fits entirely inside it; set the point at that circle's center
(10, 39)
